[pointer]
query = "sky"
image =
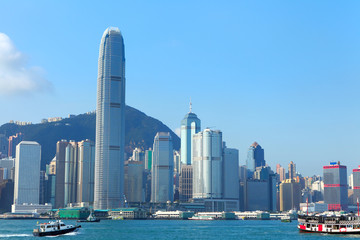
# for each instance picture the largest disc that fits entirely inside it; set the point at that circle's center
(282, 73)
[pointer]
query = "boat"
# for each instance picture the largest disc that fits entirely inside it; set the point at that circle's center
(330, 223)
(90, 218)
(54, 228)
(285, 219)
(207, 218)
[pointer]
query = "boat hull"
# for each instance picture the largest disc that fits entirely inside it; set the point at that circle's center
(357, 231)
(55, 233)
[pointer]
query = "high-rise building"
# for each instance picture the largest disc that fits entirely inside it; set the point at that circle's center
(162, 180)
(335, 186)
(13, 142)
(255, 158)
(281, 172)
(71, 157)
(60, 173)
(110, 122)
(8, 165)
(133, 189)
(257, 195)
(290, 195)
(292, 170)
(138, 155)
(27, 173)
(356, 183)
(207, 164)
(177, 162)
(186, 183)
(231, 173)
(4, 145)
(85, 171)
(190, 125)
(148, 159)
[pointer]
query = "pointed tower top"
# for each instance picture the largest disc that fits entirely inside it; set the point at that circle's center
(190, 106)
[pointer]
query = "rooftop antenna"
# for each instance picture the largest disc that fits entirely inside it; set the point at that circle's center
(190, 105)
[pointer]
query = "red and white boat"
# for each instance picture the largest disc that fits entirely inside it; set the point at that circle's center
(330, 223)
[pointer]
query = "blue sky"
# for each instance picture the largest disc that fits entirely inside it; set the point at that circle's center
(282, 73)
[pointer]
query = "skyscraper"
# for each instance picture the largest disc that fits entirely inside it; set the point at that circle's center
(60, 173)
(356, 183)
(85, 173)
(162, 169)
(207, 164)
(110, 121)
(27, 173)
(335, 186)
(292, 170)
(255, 158)
(13, 142)
(189, 126)
(290, 195)
(231, 173)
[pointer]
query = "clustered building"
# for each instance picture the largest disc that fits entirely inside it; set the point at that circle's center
(204, 175)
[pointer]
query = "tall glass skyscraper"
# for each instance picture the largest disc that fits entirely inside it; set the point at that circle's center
(255, 158)
(162, 179)
(110, 122)
(189, 126)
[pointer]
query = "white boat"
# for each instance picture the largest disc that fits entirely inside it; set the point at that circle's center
(54, 228)
(206, 218)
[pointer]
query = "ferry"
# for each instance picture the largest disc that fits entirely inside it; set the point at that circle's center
(330, 223)
(285, 219)
(206, 218)
(54, 228)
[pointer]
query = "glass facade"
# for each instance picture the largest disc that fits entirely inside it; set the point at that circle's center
(110, 122)
(207, 164)
(189, 126)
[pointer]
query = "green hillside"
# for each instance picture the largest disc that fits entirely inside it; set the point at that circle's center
(140, 132)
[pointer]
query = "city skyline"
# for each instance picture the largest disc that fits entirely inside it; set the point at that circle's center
(289, 85)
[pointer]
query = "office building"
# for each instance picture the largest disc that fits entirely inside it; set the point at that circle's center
(335, 186)
(186, 183)
(148, 159)
(207, 164)
(290, 195)
(27, 173)
(255, 158)
(110, 122)
(281, 172)
(162, 171)
(177, 162)
(356, 183)
(190, 125)
(4, 145)
(134, 187)
(230, 173)
(292, 170)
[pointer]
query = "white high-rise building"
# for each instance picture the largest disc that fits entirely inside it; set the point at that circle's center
(110, 122)
(27, 173)
(162, 169)
(190, 125)
(207, 164)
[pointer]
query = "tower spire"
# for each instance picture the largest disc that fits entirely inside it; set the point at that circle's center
(190, 106)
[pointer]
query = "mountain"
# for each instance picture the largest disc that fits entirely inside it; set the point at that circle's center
(140, 131)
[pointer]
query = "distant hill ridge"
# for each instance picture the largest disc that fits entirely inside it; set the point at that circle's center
(140, 131)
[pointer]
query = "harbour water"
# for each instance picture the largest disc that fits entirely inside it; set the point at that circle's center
(170, 229)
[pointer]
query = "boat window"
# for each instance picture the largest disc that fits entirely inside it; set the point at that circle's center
(49, 226)
(62, 225)
(335, 226)
(328, 226)
(42, 226)
(349, 226)
(307, 225)
(342, 226)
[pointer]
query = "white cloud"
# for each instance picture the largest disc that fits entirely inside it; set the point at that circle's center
(16, 76)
